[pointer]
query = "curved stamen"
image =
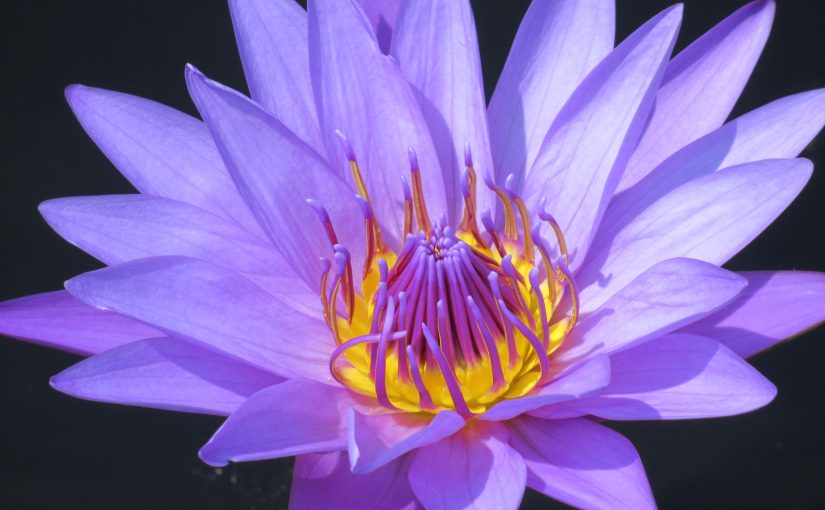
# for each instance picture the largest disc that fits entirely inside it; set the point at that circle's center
(492, 350)
(510, 225)
(541, 354)
(326, 267)
(422, 216)
(349, 286)
(401, 351)
(512, 352)
(425, 401)
(574, 294)
(453, 387)
(381, 365)
(544, 250)
(354, 342)
(536, 286)
(408, 207)
(490, 227)
(546, 216)
(509, 186)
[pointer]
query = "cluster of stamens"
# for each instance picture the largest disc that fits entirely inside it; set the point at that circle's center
(457, 318)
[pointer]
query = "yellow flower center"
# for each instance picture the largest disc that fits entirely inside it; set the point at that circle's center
(456, 319)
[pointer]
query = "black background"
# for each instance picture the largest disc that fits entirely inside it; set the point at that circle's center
(61, 453)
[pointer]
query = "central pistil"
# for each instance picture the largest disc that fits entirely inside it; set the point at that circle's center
(456, 318)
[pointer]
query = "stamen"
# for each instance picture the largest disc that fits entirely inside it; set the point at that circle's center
(326, 266)
(487, 221)
(381, 368)
(515, 279)
(354, 342)
(444, 329)
(546, 216)
(468, 188)
(544, 250)
(422, 216)
(401, 350)
(574, 294)
(510, 226)
(536, 285)
(323, 216)
(541, 354)
(512, 352)
(408, 207)
(424, 399)
(453, 387)
(509, 185)
(492, 350)
(353, 165)
(349, 286)
(340, 271)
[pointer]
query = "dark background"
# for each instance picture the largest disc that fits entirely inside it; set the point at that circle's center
(61, 453)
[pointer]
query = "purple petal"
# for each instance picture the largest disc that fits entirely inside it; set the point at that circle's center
(211, 305)
(363, 93)
(773, 307)
(475, 468)
(277, 173)
(323, 480)
(272, 41)
(437, 49)
(120, 228)
(162, 151)
(582, 156)
(164, 373)
(701, 85)
(582, 463)
(581, 380)
(666, 297)
(557, 45)
(678, 377)
(383, 15)
(57, 320)
(375, 440)
(780, 129)
(710, 219)
(291, 418)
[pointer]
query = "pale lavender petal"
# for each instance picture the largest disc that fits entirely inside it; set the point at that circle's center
(161, 151)
(272, 41)
(710, 218)
(211, 305)
(164, 373)
(474, 469)
(701, 85)
(677, 377)
(780, 129)
(277, 173)
(364, 94)
(558, 43)
(583, 155)
(383, 15)
(582, 463)
(324, 480)
(120, 228)
(375, 440)
(666, 297)
(585, 378)
(773, 307)
(57, 320)
(291, 418)
(437, 49)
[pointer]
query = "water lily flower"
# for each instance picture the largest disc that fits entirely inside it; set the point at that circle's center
(430, 301)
